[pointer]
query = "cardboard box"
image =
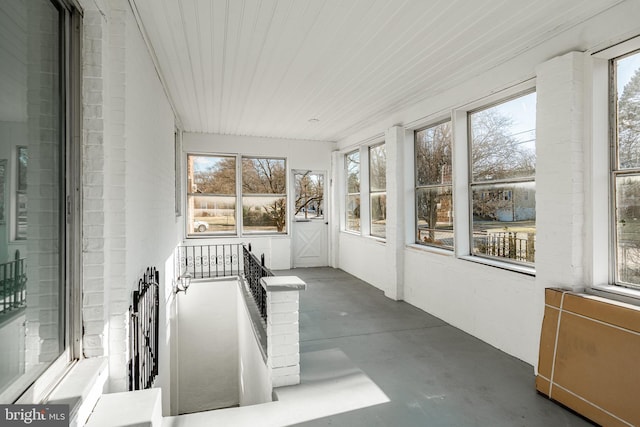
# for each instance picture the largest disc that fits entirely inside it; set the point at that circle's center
(590, 357)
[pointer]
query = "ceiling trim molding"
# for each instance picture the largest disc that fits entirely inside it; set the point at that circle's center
(156, 64)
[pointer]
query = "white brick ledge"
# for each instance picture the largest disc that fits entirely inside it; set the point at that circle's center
(283, 332)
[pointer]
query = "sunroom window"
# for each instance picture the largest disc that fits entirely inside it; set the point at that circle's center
(503, 159)
(352, 202)
(625, 176)
(219, 185)
(378, 190)
(434, 190)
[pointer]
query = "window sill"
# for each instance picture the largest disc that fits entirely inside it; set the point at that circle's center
(81, 388)
(516, 268)
(234, 236)
(377, 239)
(617, 293)
(430, 249)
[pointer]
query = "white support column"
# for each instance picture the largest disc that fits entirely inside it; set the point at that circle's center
(560, 172)
(394, 143)
(283, 331)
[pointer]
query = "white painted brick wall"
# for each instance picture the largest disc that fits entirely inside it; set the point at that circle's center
(560, 172)
(283, 337)
(125, 114)
(115, 196)
(93, 162)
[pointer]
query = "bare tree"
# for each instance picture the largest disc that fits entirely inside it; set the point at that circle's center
(496, 153)
(309, 192)
(433, 167)
(219, 178)
(262, 176)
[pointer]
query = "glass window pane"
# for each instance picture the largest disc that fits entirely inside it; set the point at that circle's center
(433, 155)
(628, 229)
(503, 140)
(628, 102)
(378, 214)
(353, 172)
(353, 213)
(309, 202)
(211, 175)
(264, 214)
(263, 176)
(504, 221)
(434, 213)
(21, 194)
(212, 214)
(377, 168)
(32, 297)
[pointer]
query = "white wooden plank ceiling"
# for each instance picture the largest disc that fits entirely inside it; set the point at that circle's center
(266, 67)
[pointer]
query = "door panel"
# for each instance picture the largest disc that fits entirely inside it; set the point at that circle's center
(310, 224)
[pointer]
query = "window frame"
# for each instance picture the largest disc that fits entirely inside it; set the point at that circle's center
(521, 90)
(372, 192)
(239, 194)
(348, 194)
(418, 187)
(36, 390)
(615, 172)
(190, 234)
(284, 195)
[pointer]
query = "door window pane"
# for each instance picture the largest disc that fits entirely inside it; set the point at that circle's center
(309, 202)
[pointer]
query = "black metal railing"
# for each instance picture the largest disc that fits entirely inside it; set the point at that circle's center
(225, 260)
(206, 261)
(254, 270)
(512, 245)
(143, 331)
(13, 284)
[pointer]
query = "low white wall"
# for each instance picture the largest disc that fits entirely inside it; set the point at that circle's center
(494, 305)
(365, 258)
(207, 346)
(254, 381)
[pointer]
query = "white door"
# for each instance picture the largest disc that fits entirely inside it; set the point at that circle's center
(310, 229)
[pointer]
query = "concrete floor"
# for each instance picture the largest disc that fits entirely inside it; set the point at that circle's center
(433, 374)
